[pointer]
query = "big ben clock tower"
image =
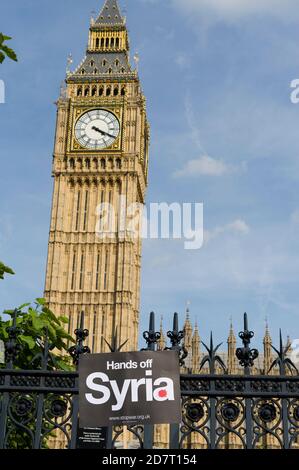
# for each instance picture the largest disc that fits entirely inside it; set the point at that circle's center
(100, 157)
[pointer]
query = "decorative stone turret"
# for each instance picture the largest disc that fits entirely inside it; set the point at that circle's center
(195, 350)
(267, 349)
(188, 332)
(161, 343)
(231, 358)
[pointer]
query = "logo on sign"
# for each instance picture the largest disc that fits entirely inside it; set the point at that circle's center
(162, 389)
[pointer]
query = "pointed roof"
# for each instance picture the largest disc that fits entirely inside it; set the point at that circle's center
(110, 14)
(162, 341)
(196, 332)
(187, 325)
(232, 336)
(267, 337)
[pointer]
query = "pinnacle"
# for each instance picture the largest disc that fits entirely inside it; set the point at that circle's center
(110, 14)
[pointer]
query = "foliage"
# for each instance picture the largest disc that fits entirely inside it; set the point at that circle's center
(4, 270)
(6, 51)
(37, 324)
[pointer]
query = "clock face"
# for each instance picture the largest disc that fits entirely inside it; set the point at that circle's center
(97, 129)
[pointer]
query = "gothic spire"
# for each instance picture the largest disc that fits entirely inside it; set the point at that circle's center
(267, 337)
(162, 341)
(267, 348)
(188, 325)
(195, 350)
(196, 332)
(231, 337)
(231, 356)
(110, 14)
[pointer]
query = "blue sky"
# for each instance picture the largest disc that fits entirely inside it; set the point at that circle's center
(216, 74)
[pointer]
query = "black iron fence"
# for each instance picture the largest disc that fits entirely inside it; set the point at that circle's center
(39, 408)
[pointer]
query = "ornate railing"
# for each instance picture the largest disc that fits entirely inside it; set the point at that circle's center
(39, 408)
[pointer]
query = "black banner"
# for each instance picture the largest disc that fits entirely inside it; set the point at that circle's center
(129, 388)
(148, 458)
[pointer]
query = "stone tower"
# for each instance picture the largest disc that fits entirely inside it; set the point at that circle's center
(100, 170)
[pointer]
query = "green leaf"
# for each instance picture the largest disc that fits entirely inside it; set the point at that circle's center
(64, 319)
(4, 38)
(52, 332)
(34, 322)
(8, 312)
(3, 268)
(38, 324)
(50, 315)
(10, 53)
(62, 364)
(28, 340)
(24, 306)
(6, 51)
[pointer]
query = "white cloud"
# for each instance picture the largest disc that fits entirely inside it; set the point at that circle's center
(231, 10)
(238, 226)
(207, 166)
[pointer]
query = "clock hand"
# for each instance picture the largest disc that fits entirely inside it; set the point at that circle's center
(110, 135)
(94, 128)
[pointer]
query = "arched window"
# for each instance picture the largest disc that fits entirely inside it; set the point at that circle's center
(97, 43)
(87, 163)
(112, 42)
(95, 163)
(104, 63)
(117, 63)
(86, 92)
(72, 163)
(81, 278)
(91, 63)
(85, 210)
(108, 91)
(83, 71)
(110, 70)
(118, 163)
(103, 163)
(94, 91)
(101, 91)
(115, 91)
(123, 91)
(73, 271)
(95, 71)
(117, 42)
(79, 91)
(123, 70)
(107, 42)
